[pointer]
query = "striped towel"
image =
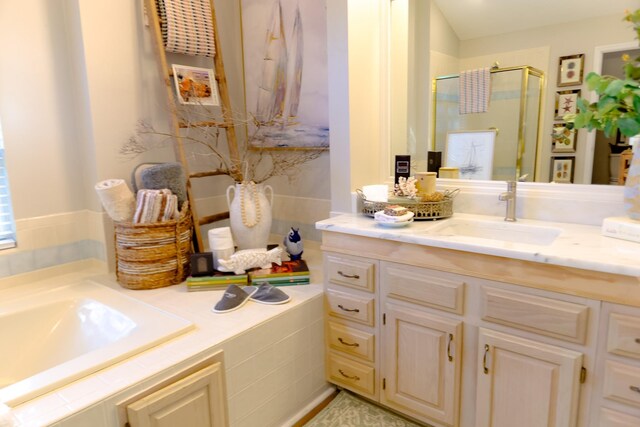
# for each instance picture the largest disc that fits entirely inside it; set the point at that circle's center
(187, 26)
(475, 91)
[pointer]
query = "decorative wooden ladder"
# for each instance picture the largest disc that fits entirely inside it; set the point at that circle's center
(225, 123)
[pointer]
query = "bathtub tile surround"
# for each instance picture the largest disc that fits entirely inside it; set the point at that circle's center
(273, 356)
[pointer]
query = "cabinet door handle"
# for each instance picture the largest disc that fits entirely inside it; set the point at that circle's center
(354, 310)
(634, 388)
(343, 342)
(484, 359)
(450, 339)
(354, 377)
(637, 340)
(348, 276)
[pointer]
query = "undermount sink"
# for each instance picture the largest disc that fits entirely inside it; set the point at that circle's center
(57, 336)
(503, 231)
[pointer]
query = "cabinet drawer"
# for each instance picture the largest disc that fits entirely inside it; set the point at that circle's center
(622, 383)
(545, 316)
(350, 307)
(624, 335)
(351, 374)
(352, 341)
(423, 286)
(609, 418)
(353, 272)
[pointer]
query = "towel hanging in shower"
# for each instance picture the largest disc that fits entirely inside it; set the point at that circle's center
(474, 91)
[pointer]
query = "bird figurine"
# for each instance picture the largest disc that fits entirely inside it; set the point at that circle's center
(293, 244)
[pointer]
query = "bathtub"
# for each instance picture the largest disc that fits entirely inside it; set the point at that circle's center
(53, 336)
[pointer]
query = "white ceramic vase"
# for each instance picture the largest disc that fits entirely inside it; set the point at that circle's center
(632, 184)
(250, 214)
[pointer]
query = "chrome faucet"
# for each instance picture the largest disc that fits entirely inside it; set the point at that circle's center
(510, 197)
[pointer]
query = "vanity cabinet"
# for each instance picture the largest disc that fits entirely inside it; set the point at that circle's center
(525, 383)
(453, 341)
(618, 367)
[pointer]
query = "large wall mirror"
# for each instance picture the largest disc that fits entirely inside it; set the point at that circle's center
(430, 40)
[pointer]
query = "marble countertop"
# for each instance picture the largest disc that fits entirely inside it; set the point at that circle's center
(576, 245)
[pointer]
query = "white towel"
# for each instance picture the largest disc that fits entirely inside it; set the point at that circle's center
(116, 199)
(474, 91)
(7, 419)
(380, 216)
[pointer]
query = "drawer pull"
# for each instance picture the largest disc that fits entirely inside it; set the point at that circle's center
(343, 342)
(450, 338)
(354, 377)
(354, 310)
(637, 340)
(634, 388)
(348, 276)
(484, 359)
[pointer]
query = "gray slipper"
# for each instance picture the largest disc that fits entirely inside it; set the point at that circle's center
(232, 299)
(266, 294)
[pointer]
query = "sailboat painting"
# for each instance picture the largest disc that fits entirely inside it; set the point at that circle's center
(471, 152)
(285, 68)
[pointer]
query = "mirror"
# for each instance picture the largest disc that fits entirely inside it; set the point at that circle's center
(432, 38)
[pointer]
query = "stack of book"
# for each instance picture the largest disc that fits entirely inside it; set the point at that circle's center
(289, 273)
(217, 281)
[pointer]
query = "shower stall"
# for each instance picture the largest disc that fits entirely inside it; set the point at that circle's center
(514, 114)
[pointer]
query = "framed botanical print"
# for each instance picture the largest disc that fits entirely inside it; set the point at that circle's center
(566, 102)
(563, 139)
(562, 169)
(570, 70)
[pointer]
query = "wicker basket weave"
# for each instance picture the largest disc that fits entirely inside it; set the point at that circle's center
(154, 255)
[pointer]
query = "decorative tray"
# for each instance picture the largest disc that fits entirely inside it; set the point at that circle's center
(421, 210)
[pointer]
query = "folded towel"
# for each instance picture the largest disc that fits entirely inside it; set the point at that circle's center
(474, 91)
(166, 175)
(155, 206)
(189, 27)
(380, 216)
(116, 199)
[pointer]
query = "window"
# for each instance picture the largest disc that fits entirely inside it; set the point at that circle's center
(7, 226)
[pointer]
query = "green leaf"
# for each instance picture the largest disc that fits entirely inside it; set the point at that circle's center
(629, 126)
(593, 80)
(614, 88)
(582, 119)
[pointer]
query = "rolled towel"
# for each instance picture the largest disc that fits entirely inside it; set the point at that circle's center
(116, 199)
(166, 175)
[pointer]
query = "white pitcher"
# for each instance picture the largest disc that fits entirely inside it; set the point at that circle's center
(250, 214)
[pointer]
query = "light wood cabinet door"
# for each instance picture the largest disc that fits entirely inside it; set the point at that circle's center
(421, 363)
(525, 383)
(197, 400)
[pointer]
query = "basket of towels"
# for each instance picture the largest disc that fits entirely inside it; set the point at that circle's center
(152, 236)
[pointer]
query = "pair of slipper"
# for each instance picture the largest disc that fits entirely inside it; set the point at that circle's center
(235, 297)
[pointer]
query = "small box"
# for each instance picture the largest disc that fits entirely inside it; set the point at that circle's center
(402, 167)
(434, 161)
(621, 228)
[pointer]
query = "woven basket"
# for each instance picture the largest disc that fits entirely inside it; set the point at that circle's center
(154, 255)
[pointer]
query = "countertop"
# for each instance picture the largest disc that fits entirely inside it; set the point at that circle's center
(577, 246)
(211, 330)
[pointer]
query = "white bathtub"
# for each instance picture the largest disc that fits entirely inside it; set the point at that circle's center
(55, 336)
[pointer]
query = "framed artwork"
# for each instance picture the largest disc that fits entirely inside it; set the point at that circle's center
(195, 86)
(285, 73)
(566, 102)
(562, 169)
(471, 152)
(570, 70)
(563, 139)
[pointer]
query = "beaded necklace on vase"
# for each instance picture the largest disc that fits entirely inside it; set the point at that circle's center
(243, 212)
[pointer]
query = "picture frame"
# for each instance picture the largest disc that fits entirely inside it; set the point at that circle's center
(570, 70)
(471, 152)
(562, 169)
(284, 48)
(563, 139)
(566, 102)
(195, 85)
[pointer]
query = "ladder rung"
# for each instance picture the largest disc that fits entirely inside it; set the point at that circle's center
(225, 125)
(213, 218)
(206, 174)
